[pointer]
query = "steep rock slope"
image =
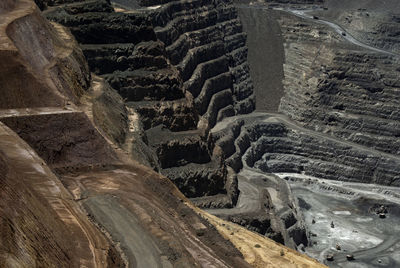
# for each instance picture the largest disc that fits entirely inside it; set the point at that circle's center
(130, 58)
(353, 92)
(205, 48)
(372, 22)
(53, 66)
(204, 40)
(341, 100)
(182, 68)
(70, 145)
(41, 226)
(345, 89)
(265, 204)
(107, 190)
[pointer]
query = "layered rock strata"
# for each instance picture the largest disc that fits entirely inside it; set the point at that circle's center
(81, 200)
(204, 40)
(182, 66)
(259, 145)
(345, 97)
(112, 214)
(41, 225)
(269, 210)
(373, 23)
(347, 92)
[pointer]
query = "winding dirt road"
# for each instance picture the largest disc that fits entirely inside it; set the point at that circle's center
(338, 29)
(346, 35)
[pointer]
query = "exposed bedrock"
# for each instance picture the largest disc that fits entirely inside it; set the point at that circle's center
(111, 57)
(258, 221)
(109, 111)
(56, 71)
(68, 190)
(175, 115)
(146, 85)
(221, 200)
(347, 92)
(196, 180)
(299, 153)
(373, 23)
(115, 192)
(265, 203)
(204, 40)
(266, 55)
(36, 209)
(41, 225)
(178, 153)
(186, 159)
(208, 36)
(122, 48)
(346, 97)
(63, 140)
(104, 26)
(275, 148)
(113, 213)
(264, 144)
(181, 67)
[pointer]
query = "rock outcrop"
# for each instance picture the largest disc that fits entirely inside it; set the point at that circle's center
(373, 23)
(70, 196)
(41, 225)
(56, 69)
(167, 79)
(296, 2)
(341, 103)
(204, 40)
(238, 140)
(182, 67)
(352, 92)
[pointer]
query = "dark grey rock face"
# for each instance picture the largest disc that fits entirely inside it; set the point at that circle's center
(265, 144)
(341, 102)
(296, 1)
(298, 152)
(205, 42)
(346, 92)
(266, 55)
(183, 68)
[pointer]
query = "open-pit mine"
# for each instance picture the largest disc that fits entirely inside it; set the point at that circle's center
(200, 133)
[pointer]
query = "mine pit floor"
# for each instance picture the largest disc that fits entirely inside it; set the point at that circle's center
(358, 230)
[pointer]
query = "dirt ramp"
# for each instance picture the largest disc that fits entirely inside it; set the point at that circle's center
(20, 209)
(147, 217)
(40, 226)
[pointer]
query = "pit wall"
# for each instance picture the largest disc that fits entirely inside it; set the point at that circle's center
(181, 67)
(346, 92)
